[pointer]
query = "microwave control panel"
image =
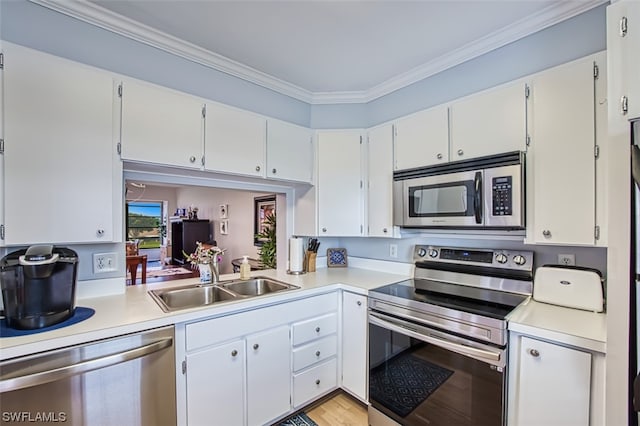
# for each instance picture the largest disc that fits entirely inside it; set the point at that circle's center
(502, 196)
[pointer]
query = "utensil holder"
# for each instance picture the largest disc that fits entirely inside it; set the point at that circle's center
(310, 261)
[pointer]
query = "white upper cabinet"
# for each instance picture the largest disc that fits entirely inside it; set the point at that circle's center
(490, 122)
(561, 160)
(340, 200)
(60, 164)
(623, 28)
(161, 126)
(380, 181)
(289, 152)
(422, 139)
(234, 141)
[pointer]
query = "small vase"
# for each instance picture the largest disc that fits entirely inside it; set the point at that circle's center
(206, 273)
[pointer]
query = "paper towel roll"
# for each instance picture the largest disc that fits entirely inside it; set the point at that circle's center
(296, 254)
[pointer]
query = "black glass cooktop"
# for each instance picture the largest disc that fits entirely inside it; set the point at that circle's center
(474, 300)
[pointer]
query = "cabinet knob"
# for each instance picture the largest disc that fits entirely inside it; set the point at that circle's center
(534, 353)
(460, 152)
(359, 303)
(324, 229)
(317, 381)
(439, 156)
(317, 353)
(317, 329)
(234, 352)
(257, 168)
(273, 171)
(384, 230)
(192, 159)
(546, 233)
(256, 346)
(100, 232)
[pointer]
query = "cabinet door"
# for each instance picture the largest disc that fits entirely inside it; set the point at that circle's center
(340, 201)
(268, 375)
(161, 126)
(553, 385)
(422, 139)
(490, 122)
(215, 385)
(380, 182)
(562, 155)
(289, 152)
(629, 41)
(59, 167)
(354, 344)
(234, 141)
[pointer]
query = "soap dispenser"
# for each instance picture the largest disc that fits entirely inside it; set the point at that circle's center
(245, 269)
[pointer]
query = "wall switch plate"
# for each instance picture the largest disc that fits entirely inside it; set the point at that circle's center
(393, 250)
(567, 259)
(104, 262)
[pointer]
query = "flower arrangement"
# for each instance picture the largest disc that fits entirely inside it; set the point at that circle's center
(203, 255)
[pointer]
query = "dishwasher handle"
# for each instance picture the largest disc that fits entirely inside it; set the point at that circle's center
(42, 377)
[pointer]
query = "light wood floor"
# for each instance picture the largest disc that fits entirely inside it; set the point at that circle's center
(341, 410)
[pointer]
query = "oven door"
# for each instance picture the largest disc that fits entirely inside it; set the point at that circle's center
(423, 376)
(452, 199)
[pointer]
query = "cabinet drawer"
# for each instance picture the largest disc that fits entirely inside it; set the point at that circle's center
(314, 328)
(314, 352)
(314, 382)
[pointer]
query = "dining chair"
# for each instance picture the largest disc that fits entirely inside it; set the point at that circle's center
(132, 267)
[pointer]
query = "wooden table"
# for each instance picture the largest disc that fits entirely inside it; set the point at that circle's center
(253, 263)
(132, 267)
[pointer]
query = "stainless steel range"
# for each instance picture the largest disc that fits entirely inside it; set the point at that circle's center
(438, 342)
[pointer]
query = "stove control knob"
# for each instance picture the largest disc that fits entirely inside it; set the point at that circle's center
(422, 252)
(433, 253)
(501, 258)
(519, 259)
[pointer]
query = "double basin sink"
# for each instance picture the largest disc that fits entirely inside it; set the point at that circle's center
(193, 296)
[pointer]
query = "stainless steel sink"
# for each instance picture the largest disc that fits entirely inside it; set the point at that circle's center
(190, 297)
(196, 295)
(256, 286)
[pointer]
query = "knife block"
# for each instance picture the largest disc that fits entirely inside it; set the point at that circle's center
(310, 261)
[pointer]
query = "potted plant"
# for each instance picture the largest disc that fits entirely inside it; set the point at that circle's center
(267, 252)
(203, 257)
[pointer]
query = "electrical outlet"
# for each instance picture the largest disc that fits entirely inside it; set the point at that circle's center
(104, 262)
(393, 250)
(567, 259)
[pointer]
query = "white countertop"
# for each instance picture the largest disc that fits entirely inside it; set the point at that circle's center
(574, 327)
(135, 310)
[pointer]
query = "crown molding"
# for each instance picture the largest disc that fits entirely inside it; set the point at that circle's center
(103, 18)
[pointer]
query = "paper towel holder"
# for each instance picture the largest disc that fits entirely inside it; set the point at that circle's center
(290, 272)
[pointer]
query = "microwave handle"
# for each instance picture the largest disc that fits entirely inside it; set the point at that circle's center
(477, 200)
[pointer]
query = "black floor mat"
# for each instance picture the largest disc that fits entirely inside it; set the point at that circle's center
(405, 382)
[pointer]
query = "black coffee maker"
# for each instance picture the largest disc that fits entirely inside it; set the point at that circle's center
(38, 286)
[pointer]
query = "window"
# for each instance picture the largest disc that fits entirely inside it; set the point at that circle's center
(145, 223)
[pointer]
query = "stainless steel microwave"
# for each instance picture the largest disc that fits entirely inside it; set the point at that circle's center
(486, 192)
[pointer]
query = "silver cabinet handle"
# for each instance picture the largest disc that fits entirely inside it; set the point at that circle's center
(317, 329)
(273, 171)
(256, 346)
(546, 233)
(384, 230)
(324, 229)
(257, 168)
(359, 303)
(192, 159)
(439, 156)
(317, 381)
(460, 152)
(234, 352)
(60, 373)
(534, 353)
(100, 232)
(317, 353)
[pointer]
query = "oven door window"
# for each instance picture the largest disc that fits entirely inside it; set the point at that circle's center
(417, 383)
(444, 199)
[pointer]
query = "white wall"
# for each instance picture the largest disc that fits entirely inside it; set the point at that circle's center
(239, 240)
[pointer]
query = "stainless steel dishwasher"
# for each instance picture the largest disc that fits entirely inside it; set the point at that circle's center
(126, 380)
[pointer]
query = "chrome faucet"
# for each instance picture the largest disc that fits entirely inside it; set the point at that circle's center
(215, 267)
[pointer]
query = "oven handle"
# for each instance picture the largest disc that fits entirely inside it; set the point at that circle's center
(409, 329)
(477, 197)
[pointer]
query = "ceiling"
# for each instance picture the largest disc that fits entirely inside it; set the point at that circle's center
(327, 50)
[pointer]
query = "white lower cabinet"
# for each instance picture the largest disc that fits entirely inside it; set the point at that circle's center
(551, 384)
(314, 382)
(354, 344)
(215, 384)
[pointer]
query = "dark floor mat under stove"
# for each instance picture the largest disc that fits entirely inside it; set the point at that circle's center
(405, 382)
